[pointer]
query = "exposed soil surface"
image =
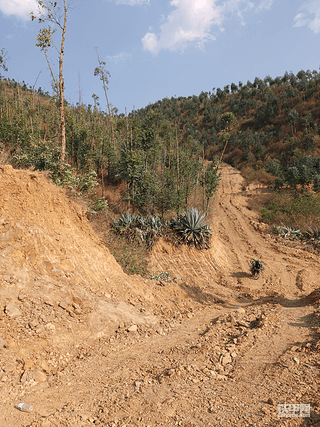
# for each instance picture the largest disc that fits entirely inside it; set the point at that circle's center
(87, 345)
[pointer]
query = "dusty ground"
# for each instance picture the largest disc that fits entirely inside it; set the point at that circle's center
(87, 345)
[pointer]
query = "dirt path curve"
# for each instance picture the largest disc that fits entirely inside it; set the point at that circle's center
(286, 268)
(289, 272)
(219, 365)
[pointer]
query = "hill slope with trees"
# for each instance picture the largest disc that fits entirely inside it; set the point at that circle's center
(164, 158)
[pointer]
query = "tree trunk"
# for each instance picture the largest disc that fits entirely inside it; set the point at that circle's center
(204, 182)
(178, 171)
(61, 87)
(102, 173)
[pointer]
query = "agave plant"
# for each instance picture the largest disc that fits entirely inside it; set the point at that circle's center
(154, 222)
(192, 228)
(284, 231)
(312, 233)
(133, 226)
(125, 225)
(125, 221)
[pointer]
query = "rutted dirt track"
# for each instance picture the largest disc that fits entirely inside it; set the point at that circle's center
(212, 348)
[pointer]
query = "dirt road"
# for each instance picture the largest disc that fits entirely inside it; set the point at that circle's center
(226, 350)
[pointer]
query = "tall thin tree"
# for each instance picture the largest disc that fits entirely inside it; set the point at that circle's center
(51, 11)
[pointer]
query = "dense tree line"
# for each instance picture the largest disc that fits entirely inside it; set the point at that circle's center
(166, 152)
(161, 171)
(273, 117)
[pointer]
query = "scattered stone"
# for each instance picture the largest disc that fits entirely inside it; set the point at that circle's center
(221, 377)
(22, 297)
(33, 324)
(271, 401)
(240, 310)
(37, 376)
(133, 328)
(3, 343)
(225, 359)
(50, 326)
(296, 360)
(63, 305)
(12, 311)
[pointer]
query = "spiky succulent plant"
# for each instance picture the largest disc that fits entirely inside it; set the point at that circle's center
(192, 228)
(146, 229)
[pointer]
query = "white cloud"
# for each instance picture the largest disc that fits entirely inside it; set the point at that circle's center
(265, 5)
(20, 8)
(133, 2)
(120, 57)
(311, 17)
(192, 22)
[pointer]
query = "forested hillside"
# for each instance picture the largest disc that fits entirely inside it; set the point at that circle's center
(264, 122)
(167, 153)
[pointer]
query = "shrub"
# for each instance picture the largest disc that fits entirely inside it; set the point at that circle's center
(132, 226)
(191, 228)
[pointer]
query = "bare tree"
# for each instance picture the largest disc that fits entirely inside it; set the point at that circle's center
(52, 11)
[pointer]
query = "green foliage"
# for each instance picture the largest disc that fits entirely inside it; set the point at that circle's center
(191, 228)
(293, 117)
(81, 183)
(294, 211)
(164, 276)
(132, 256)
(3, 59)
(227, 119)
(156, 152)
(41, 156)
(46, 157)
(273, 166)
(257, 265)
(309, 236)
(98, 204)
(287, 232)
(135, 227)
(211, 180)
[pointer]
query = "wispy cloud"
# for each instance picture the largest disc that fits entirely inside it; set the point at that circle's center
(192, 22)
(20, 8)
(311, 16)
(264, 5)
(120, 57)
(132, 2)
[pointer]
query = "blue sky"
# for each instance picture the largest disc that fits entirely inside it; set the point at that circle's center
(158, 48)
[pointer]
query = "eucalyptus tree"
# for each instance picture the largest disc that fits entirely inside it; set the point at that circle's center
(234, 88)
(3, 59)
(211, 179)
(293, 117)
(101, 72)
(56, 13)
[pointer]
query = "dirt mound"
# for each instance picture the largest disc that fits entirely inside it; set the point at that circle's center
(59, 285)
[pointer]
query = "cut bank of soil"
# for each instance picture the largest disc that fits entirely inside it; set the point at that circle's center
(88, 345)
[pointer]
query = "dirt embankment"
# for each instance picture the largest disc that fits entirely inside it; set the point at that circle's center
(88, 345)
(59, 285)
